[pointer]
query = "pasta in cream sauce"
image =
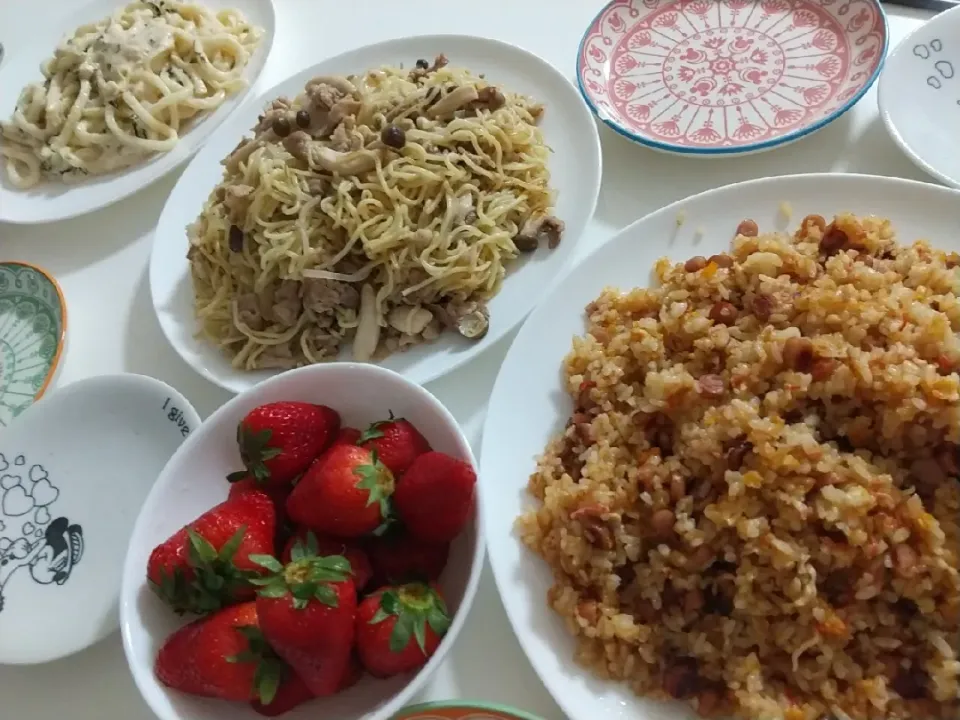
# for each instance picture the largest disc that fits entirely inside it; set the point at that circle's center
(125, 88)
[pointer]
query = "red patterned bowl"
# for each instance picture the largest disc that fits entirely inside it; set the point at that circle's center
(727, 77)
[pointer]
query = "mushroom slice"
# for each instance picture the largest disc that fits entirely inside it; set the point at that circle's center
(298, 144)
(409, 319)
(368, 326)
(245, 149)
(453, 101)
(463, 212)
(474, 324)
(349, 163)
(347, 107)
(545, 228)
(335, 81)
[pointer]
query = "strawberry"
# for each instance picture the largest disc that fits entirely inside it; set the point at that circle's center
(401, 558)
(435, 497)
(222, 655)
(399, 628)
(292, 693)
(307, 611)
(345, 493)
(325, 546)
(396, 442)
(248, 483)
(277, 493)
(279, 440)
(347, 436)
(206, 565)
(354, 673)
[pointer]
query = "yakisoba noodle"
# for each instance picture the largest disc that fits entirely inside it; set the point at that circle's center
(374, 212)
(124, 88)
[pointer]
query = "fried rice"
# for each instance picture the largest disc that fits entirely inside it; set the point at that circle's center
(755, 506)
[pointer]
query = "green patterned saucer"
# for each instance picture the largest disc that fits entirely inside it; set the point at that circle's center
(462, 710)
(33, 322)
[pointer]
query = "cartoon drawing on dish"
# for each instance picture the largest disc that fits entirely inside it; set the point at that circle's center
(29, 538)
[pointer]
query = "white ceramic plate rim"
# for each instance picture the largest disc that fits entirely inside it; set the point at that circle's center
(553, 660)
(55, 202)
(169, 269)
(790, 137)
(134, 578)
(887, 95)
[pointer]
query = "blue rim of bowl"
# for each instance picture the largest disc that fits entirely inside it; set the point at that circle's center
(743, 149)
(408, 711)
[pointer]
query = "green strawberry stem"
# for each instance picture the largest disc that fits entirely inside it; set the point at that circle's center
(390, 523)
(271, 670)
(214, 580)
(306, 577)
(373, 432)
(255, 450)
(239, 475)
(377, 480)
(415, 606)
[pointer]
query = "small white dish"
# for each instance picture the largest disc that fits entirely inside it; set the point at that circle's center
(532, 371)
(919, 96)
(568, 129)
(49, 202)
(193, 482)
(74, 470)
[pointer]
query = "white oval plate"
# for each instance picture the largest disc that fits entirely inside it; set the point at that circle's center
(532, 370)
(919, 96)
(567, 126)
(49, 202)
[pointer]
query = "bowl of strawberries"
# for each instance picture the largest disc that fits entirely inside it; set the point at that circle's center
(312, 550)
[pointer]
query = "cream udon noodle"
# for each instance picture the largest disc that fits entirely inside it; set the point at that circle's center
(124, 88)
(373, 212)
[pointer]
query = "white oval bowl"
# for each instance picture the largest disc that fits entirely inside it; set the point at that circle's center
(193, 482)
(568, 128)
(51, 201)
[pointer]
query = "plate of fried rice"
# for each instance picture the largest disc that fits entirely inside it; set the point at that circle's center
(731, 487)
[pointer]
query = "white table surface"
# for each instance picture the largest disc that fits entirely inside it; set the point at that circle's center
(101, 262)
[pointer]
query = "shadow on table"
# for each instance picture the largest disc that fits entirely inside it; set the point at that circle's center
(874, 153)
(69, 688)
(149, 353)
(488, 659)
(637, 180)
(87, 239)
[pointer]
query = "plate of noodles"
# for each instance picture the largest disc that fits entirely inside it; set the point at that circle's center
(405, 203)
(106, 100)
(734, 488)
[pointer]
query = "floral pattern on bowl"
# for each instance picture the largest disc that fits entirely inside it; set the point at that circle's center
(33, 319)
(715, 77)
